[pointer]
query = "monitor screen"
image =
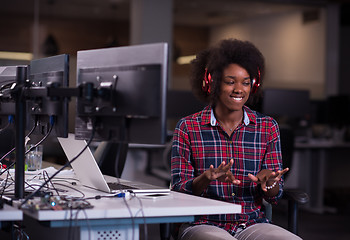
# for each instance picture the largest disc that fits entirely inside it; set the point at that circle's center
(124, 91)
(338, 110)
(181, 103)
(290, 103)
(43, 73)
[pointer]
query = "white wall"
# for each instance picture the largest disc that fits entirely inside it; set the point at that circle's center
(295, 52)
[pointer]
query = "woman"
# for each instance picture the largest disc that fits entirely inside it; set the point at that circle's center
(227, 151)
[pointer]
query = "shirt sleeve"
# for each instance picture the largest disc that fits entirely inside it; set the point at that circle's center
(182, 171)
(273, 159)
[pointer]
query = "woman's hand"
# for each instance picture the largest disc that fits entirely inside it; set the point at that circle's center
(222, 173)
(267, 177)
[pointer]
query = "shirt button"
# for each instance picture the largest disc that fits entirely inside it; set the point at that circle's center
(233, 194)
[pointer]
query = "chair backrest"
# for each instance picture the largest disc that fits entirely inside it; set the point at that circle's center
(110, 157)
(287, 146)
(7, 139)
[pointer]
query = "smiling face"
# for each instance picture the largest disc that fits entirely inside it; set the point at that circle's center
(235, 88)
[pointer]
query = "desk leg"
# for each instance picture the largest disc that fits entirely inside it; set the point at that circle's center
(120, 232)
(317, 176)
(312, 179)
(305, 180)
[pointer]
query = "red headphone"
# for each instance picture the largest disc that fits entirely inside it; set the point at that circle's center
(256, 83)
(207, 81)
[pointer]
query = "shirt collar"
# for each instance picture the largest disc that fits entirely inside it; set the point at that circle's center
(213, 121)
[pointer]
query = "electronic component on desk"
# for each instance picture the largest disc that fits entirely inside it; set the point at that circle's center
(49, 202)
(124, 194)
(10, 198)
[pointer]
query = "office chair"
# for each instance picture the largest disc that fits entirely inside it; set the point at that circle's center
(7, 139)
(295, 197)
(110, 157)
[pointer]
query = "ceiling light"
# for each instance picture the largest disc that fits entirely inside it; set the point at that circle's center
(185, 59)
(16, 55)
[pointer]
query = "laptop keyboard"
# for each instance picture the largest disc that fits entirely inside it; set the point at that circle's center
(119, 186)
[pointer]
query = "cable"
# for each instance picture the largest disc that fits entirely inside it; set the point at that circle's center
(6, 87)
(4, 128)
(34, 127)
(30, 132)
(9, 123)
(20, 233)
(143, 216)
(131, 217)
(13, 149)
(70, 222)
(75, 219)
(63, 167)
(3, 190)
(52, 123)
(49, 181)
(73, 188)
(87, 223)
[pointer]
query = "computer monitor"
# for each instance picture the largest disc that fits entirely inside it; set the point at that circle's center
(293, 104)
(124, 90)
(7, 103)
(338, 110)
(8, 75)
(43, 73)
(181, 103)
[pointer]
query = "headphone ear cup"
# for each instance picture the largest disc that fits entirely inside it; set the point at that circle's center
(254, 86)
(207, 80)
(256, 83)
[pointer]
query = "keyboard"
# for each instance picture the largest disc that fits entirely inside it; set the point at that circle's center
(119, 186)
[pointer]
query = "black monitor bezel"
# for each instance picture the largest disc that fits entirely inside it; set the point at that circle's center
(132, 129)
(43, 73)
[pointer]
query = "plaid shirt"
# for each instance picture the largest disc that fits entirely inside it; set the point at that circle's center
(199, 141)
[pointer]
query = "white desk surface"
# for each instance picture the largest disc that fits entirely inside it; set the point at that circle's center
(173, 205)
(319, 144)
(9, 213)
(116, 215)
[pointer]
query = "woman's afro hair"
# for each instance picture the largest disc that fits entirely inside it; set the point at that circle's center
(215, 59)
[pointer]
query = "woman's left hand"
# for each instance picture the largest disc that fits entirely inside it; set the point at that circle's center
(267, 175)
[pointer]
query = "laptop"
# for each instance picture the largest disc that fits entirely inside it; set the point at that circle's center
(89, 174)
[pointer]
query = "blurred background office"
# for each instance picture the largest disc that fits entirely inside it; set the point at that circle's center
(305, 43)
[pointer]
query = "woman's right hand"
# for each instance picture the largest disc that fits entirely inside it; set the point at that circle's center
(222, 173)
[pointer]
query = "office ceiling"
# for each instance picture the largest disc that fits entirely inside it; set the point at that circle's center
(186, 12)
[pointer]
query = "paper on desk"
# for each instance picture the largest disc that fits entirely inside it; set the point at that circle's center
(50, 171)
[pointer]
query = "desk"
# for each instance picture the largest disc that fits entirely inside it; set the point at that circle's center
(116, 216)
(314, 156)
(9, 214)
